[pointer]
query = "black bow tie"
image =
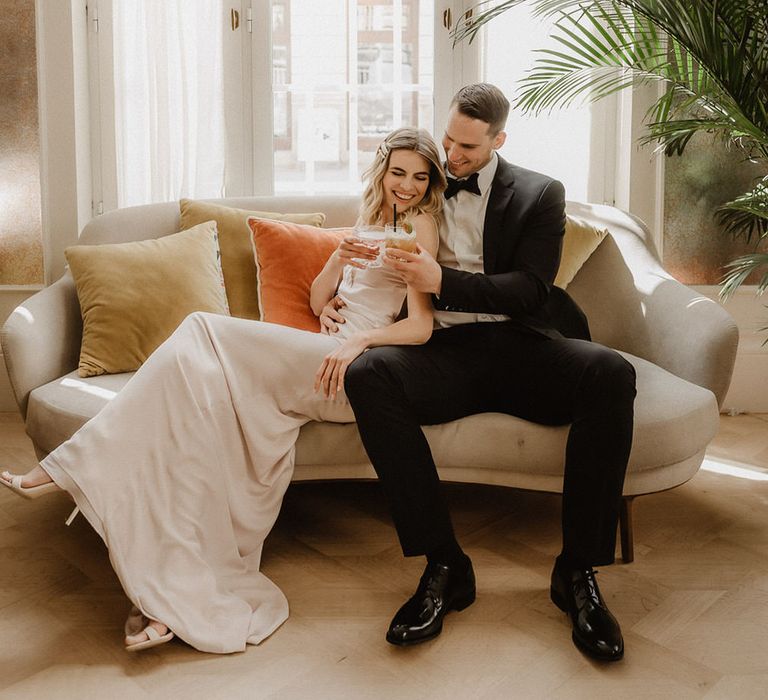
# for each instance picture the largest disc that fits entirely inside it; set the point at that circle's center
(470, 185)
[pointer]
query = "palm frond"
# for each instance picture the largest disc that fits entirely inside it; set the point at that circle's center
(479, 15)
(717, 47)
(740, 269)
(710, 55)
(597, 56)
(747, 215)
(673, 134)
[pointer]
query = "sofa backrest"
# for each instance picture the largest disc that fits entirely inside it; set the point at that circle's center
(631, 302)
(607, 287)
(155, 220)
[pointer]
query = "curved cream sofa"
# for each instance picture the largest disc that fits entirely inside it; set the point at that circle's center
(682, 345)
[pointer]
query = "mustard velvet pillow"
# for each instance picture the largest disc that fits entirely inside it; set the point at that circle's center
(580, 241)
(236, 252)
(134, 295)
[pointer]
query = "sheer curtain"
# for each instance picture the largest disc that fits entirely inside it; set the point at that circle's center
(169, 108)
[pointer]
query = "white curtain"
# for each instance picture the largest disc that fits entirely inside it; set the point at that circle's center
(169, 109)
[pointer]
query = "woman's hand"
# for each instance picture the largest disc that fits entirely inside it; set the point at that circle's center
(352, 247)
(330, 376)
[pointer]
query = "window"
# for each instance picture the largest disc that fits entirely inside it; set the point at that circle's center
(292, 96)
(344, 74)
(573, 145)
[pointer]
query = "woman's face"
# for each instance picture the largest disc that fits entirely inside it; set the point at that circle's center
(406, 181)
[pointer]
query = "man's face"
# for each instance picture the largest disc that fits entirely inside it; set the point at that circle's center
(467, 143)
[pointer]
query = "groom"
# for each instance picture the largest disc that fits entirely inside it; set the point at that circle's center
(506, 340)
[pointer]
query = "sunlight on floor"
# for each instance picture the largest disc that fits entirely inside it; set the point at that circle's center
(737, 469)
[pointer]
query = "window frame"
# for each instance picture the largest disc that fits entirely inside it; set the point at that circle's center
(249, 118)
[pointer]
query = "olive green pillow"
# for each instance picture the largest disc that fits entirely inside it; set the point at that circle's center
(237, 260)
(580, 241)
(134, 295)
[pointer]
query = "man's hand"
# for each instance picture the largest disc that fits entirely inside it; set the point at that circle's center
(419, 270)
(330, 316)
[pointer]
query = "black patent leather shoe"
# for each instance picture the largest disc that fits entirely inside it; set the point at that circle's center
(595, 630)
(442, 588)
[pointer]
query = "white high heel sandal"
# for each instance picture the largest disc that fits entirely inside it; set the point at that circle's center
(27, 491)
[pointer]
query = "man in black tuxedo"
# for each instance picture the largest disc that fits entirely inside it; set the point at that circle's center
(506, 340)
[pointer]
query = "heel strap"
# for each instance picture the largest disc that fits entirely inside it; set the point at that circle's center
(72, 516)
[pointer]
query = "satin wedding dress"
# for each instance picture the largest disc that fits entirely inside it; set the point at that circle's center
(183, 473)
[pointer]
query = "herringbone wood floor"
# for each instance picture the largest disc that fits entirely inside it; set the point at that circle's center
(693, 605)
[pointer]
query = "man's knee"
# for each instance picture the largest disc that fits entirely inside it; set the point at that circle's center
(609, 374)
(368, 370)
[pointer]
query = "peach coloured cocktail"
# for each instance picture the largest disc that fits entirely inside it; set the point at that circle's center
(402, 238)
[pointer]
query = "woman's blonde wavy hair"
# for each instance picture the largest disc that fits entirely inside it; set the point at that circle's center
(411, 139)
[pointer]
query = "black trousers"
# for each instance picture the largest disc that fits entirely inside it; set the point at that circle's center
(499, 367)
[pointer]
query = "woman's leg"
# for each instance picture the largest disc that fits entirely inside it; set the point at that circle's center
(37, 476)
(184, 472)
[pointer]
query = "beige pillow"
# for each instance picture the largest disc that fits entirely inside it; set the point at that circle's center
(581, 240)
(236, 251)
(134, 295)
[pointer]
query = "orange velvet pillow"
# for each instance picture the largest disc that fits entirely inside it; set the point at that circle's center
(288, 258)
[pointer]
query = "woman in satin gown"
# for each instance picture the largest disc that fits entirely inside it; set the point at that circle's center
(183, 473)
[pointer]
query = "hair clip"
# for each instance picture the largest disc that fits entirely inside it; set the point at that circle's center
(383, 150)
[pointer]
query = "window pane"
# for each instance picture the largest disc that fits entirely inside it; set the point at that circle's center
(345, 73)
(559, 144)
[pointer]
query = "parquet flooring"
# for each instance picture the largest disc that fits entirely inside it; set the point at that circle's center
(693, 605)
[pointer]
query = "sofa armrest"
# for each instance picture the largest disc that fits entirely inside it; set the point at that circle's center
(41, 339)
(690, 335)
(634, 305)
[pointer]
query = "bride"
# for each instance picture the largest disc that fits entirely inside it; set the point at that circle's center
(183, 473)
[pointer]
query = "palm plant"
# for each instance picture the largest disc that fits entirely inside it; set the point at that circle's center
(709, 56)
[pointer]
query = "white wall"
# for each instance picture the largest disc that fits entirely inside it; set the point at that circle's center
(749, 387)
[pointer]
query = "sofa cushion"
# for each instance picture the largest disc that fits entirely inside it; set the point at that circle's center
(59, 408)
(288, 258)
(236, 251)
(133, 295)
(580, 241)
(674, 421)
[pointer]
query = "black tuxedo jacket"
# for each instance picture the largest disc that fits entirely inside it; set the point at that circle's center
(522, 241)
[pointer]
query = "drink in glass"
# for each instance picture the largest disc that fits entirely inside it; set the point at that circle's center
(402, 237)
(372, 237)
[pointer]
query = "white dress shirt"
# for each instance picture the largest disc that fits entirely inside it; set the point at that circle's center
(461, 240)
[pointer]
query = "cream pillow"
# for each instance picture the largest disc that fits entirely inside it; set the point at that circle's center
(134, 295)
(236, 252)
(580, 241)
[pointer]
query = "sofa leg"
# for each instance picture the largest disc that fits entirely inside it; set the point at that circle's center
(625, 528)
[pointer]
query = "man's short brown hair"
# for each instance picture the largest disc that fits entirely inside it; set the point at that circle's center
(485, 102)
